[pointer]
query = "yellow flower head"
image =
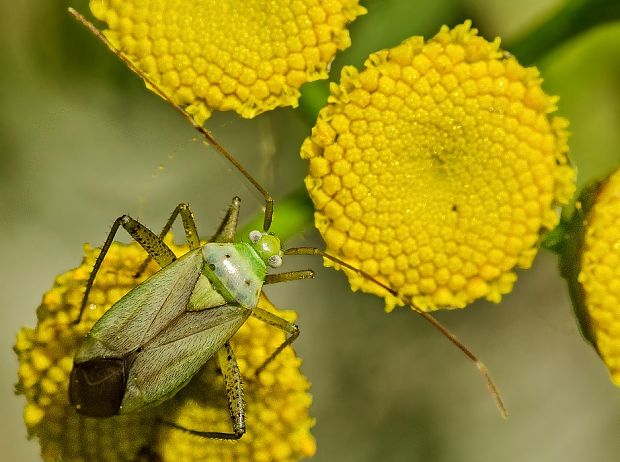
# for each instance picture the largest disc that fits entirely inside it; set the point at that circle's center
(436, 168)
(592, 266)
(277, 402)
(248, 57)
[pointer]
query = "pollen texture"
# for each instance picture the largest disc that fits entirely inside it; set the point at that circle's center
(600, 273)
(278, 402)
(436, 168)
(248, 57)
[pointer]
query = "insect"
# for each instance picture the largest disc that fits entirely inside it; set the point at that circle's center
(176, 320)
(153, 340)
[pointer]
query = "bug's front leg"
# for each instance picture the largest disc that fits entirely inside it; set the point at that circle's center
(276, 321)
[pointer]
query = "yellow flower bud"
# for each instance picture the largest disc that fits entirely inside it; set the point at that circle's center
(277, 419)
(591, 264)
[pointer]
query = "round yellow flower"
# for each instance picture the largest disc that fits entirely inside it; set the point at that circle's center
(278, 424)
(248, 57)
(436, 168)
(591, 263)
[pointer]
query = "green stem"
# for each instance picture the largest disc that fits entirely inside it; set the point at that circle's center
(313, 98)
(573, 18)
(554, 241)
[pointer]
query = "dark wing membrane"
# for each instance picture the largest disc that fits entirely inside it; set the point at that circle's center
(143, 312)
(165, 364)
(97, 387)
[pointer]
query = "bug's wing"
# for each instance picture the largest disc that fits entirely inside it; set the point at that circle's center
(169, 361)
(143, 312)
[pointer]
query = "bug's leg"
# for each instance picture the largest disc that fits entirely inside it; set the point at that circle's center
(276, 321)
(234, 392)
(189, 225)
(155, 247)
(269, 318)
(288, 276)
(234, 389)
(226, 231)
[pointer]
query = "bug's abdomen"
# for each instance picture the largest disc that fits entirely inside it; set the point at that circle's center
(97, 386)
(235, 271)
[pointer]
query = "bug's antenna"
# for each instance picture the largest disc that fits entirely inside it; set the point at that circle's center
(157, 89)
(436, 324)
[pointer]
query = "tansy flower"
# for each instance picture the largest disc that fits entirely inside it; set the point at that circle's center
(223, 55)
(278, 424)
(437, 167)
(590, 261)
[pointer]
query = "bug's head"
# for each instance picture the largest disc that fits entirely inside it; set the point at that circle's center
(268, 247)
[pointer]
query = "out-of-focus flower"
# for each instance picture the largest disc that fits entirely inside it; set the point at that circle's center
(436, 169)
(590, 261)
(247, 57)
(278, 423)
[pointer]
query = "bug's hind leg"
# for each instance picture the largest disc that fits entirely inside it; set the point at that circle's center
(189, 226)
(227, 229)
(276, 321)
(234, 392)
(154, 246)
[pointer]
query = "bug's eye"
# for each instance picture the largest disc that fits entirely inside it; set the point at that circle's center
(275, 261)
(255, 235)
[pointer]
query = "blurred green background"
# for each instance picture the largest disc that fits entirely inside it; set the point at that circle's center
(82, 142)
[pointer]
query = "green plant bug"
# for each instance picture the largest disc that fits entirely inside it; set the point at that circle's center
(151, 342)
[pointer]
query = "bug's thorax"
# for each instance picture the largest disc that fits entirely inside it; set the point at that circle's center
(235, 271)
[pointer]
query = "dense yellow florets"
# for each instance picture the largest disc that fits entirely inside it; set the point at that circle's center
(278, 424)
(600, 273)
(247, 57)
(436, 168)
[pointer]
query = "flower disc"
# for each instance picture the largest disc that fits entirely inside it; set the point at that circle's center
(593, 269)
(436, 168)
(249, 56)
